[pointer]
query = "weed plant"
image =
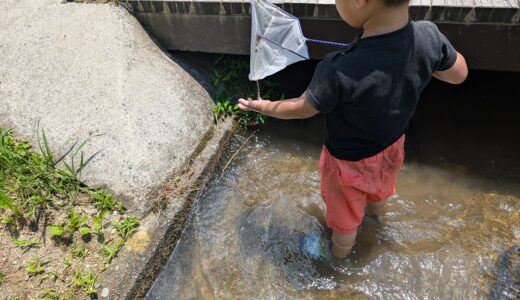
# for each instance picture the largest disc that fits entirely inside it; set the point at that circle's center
(127, 227)
(25, 243)
(231, 83)
(34, 267)
(78, 251)
(49, 294)
(73, 224)
(85, 280)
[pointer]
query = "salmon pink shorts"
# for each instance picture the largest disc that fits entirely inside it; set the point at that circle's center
(346, 186)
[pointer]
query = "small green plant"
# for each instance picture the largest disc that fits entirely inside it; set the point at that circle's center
(53, 275)
(43, 144)
(7, 204)
(98, 222)
(72, 168)
(8, 221)
(25, 243)
(111, 252)
(34, 267)
(78, 250)
(49, 294)
(2, 277)
(74, 223)
(225, 107)
(127, 227)
(105, 201)
(67, 261)
(85, 280)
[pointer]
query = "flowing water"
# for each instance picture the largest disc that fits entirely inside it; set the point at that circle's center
(456, 212)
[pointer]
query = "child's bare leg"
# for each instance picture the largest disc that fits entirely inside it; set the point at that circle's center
(342, 243)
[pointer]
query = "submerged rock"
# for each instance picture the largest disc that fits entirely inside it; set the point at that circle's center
(507, 285)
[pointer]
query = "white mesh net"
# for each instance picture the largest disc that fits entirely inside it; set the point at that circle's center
(276, 40)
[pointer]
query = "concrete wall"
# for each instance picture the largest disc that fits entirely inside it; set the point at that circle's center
(487, 34)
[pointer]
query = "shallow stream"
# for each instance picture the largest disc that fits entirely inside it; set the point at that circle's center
(457, 210)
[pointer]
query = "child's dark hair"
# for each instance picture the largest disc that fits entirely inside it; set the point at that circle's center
(393, 3)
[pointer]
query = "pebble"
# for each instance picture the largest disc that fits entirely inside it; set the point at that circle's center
(104, 292)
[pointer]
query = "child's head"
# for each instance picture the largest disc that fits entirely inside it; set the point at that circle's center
(357, 12)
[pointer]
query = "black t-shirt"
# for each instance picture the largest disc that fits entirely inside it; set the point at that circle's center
(369, 90)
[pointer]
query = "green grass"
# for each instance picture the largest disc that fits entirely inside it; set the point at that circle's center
(78, 251)
(111, 252)
(25, 243)
(74, 223)
(85, 280)
(49, 294)
(106, 202)
(30, 185)
(2, 278)
(127, 227)
(34, 267)
(34, 194)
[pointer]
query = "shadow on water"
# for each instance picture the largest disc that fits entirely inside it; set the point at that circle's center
(471, 129)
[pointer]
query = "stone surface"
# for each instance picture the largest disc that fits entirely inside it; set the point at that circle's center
(105, 292)
(90, 72)
(138, 264)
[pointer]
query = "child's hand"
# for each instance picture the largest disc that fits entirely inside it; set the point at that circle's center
(250, 104)
(295, 108)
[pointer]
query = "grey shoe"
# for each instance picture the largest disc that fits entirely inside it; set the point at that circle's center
(373, 219)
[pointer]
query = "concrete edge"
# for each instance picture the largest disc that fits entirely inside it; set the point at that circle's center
(140, 261)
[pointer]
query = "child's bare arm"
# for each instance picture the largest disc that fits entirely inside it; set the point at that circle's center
(295, 108)
(456, 74)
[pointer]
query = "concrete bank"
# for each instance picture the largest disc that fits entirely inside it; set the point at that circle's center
(89, 72)
(137, 266)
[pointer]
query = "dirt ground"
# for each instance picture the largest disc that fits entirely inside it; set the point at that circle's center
(62, 259)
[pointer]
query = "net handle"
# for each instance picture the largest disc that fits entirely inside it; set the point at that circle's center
(326, 42)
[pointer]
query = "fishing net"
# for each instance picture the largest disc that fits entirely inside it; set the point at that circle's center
(276, 40)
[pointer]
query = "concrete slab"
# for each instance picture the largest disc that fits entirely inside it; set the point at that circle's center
(487, 35)
(89, 71)
(141, 260)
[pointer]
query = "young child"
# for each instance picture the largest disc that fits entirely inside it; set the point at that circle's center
(368, 92)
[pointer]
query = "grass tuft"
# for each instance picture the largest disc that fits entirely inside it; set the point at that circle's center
(85, 280)
(25, 243)
(35, 267)
(36, 196)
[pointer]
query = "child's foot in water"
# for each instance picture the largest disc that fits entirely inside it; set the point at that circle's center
(373, 219)
(319, 249)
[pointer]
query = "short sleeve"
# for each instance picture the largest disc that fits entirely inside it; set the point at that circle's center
(448, 55)
(324, 91)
